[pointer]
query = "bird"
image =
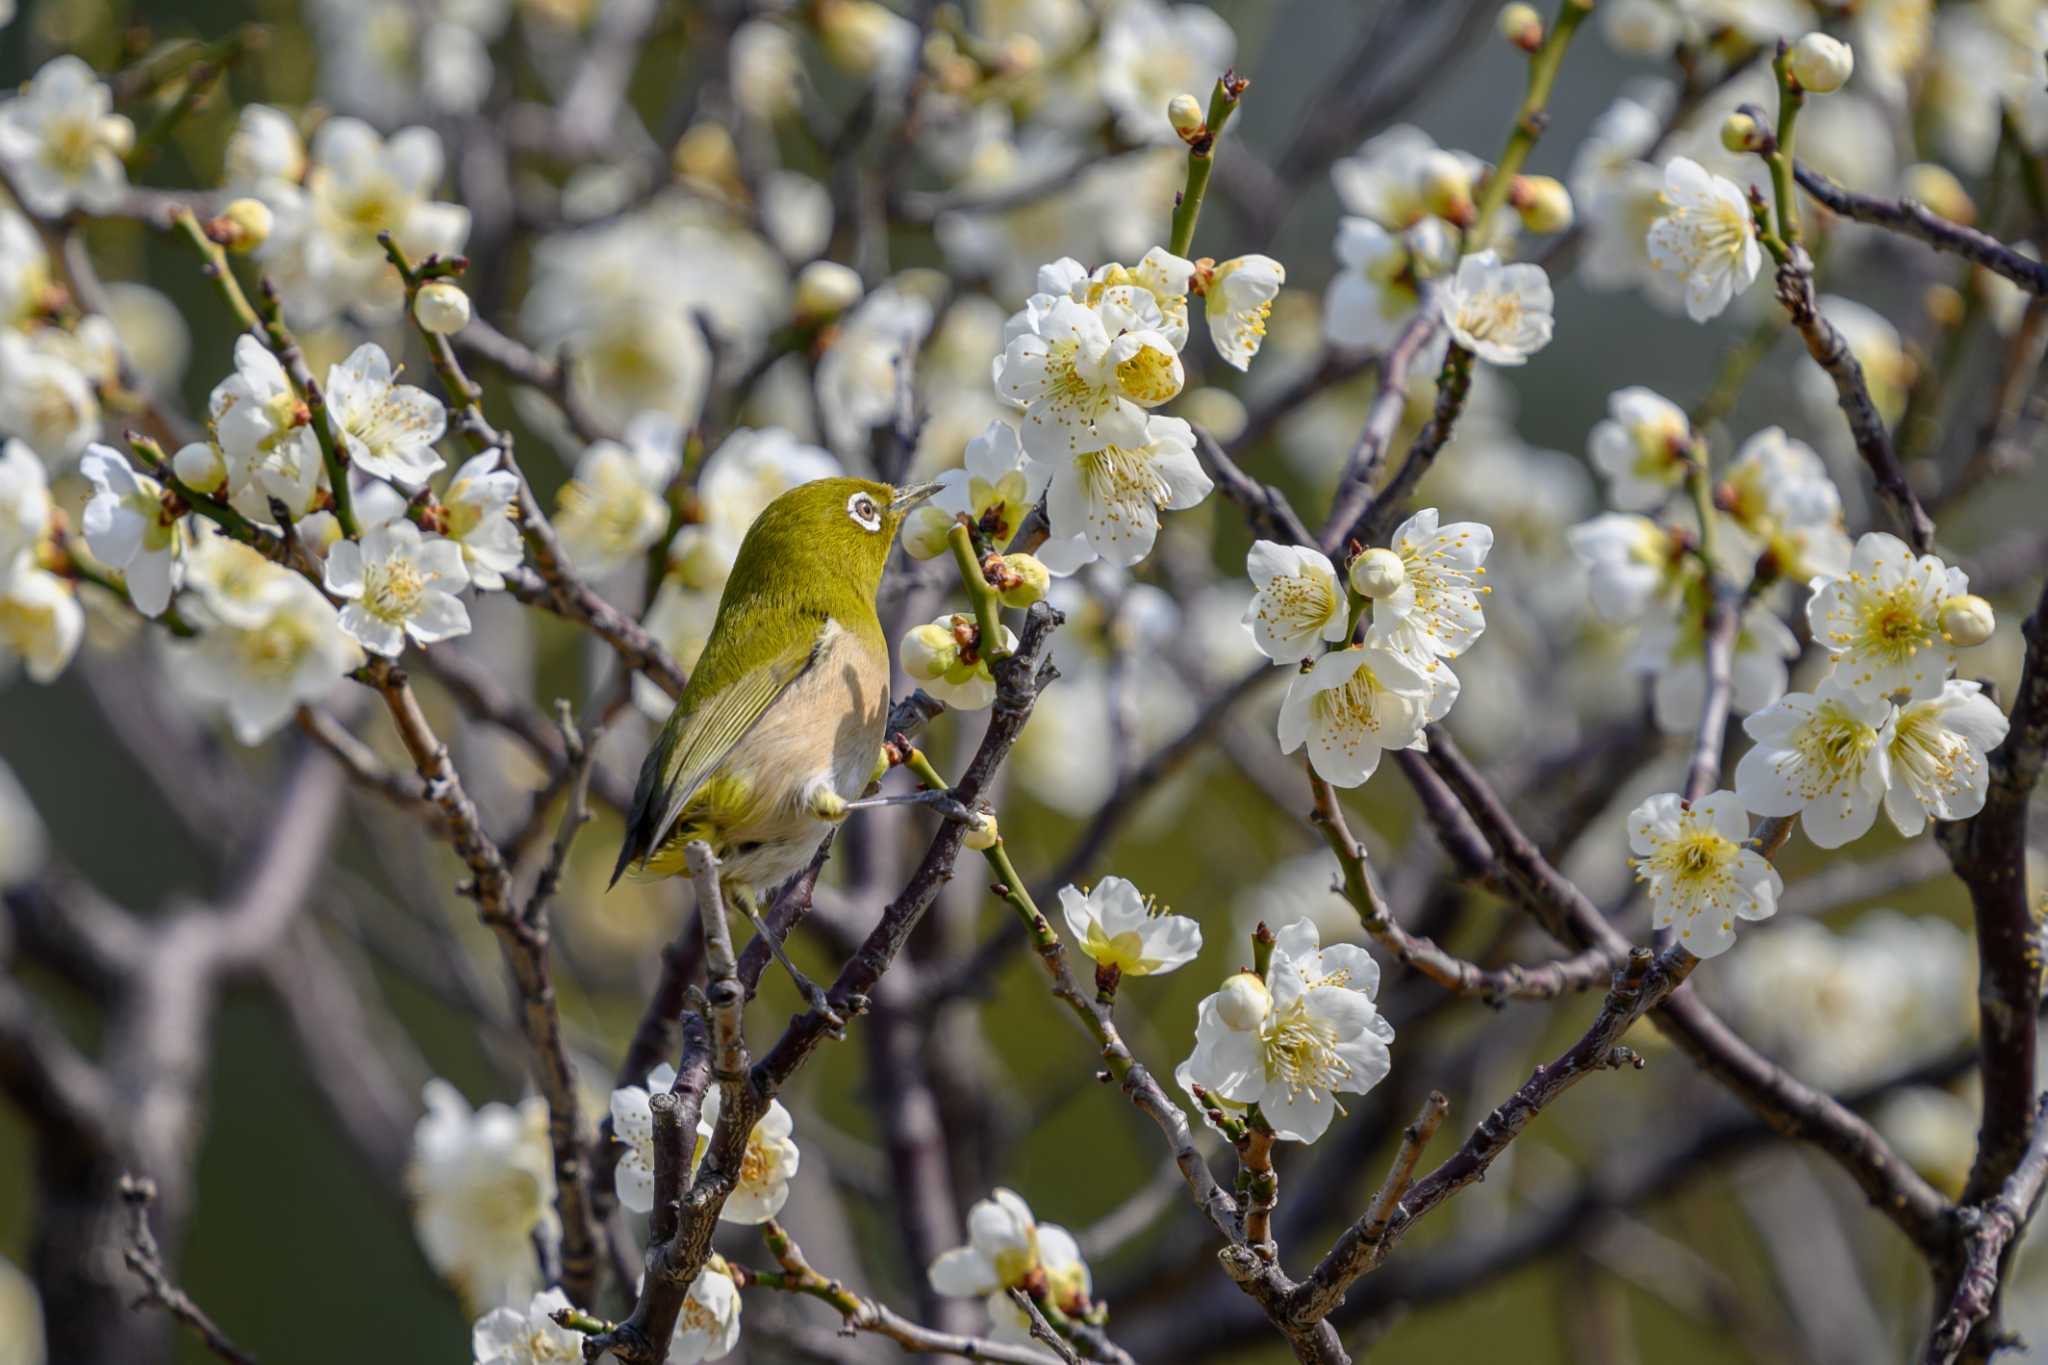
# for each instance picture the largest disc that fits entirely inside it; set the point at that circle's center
(780, 726)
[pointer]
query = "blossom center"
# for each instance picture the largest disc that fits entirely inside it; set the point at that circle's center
(1301, 1054)
(1148, 375)
(393, 588)
(1121, 481)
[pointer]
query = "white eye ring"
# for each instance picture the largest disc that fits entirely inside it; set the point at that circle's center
(865, 514)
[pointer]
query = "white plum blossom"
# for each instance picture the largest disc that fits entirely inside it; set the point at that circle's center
(1779, 494)
(616, 504)
(271, 640)
(1118, 927)
(1674, 650)
(1705, 237)
(45, 400)
(1238, 301)
(766, 1168)
(41, 622)
(1372, 291)
(323, 245)
(24, 501)
(993, 488)
(480, 509)
(1701, 877)
(1151, 52)
(1110, 498)
(861, 372)
(1937, 754)
(1500, 313)
(1319, 1035)
(128, 528)
(388, 429)
(1881, 620)
(1631, 564)
(633, 1129)
(1007, 1248)
(1435, 613)
(261, 425)
(770, 1160)
(1387, 178)
(1643, 446)
(1353, 705)
(1823, 756)
(1297, 604)
(1080, 390)
(528, 1336)
(482, 1183)
(265, 150)
(709, 1326)
(63, 143)
(398, 583)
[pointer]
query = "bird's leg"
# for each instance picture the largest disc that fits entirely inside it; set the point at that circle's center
(941, 801)
(811, 990)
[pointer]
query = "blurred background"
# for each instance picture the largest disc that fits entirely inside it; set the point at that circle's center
(305, 1249)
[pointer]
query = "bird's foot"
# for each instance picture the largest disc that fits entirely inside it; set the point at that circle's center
(943, 802)
(814, 994)
(829, 805)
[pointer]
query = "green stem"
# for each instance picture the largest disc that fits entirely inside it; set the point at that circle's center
(286, 348)
(1700, 483)
(198, 82)
(1736, 366)
(467, 395)
(215, 267)
(1791, 99)
(988, 610)
(1201, 161)
(1532, 117)
(219, 513)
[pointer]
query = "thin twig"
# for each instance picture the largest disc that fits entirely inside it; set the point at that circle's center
(143, 1258)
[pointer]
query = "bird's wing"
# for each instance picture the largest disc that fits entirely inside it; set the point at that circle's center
(700, 732)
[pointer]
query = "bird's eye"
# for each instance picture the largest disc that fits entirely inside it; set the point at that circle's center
(865, 514)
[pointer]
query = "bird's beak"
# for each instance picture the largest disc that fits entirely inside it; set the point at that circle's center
(907, 498)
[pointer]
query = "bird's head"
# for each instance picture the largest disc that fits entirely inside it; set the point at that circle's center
(828, 532)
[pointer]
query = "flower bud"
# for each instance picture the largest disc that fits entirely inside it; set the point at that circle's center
(1446, 185)
(1967, 620)
(1543, 202)
(928, 653)
(1740, 132)
(982, 835)
(1820, 63)
(1244, 1002)
(118, 133)
(200, 467)
(1027, 580)
(1521, 25)
(442, 308)
(319, 532)
(244, 224)
(1184, 112)
(825, 289)
(1378, 573)
(1937, 188)
(706, 153)
(1944, 305)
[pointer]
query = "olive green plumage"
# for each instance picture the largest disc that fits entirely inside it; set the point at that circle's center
(782, 720)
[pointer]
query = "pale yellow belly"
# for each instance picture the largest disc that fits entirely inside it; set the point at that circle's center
(825, 732)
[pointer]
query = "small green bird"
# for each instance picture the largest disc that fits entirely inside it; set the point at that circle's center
(781, 724)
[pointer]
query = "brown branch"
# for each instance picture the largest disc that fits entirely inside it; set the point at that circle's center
(1639, 984)
(1265, 506)
(1382, 421)
(858, 1314)
(1543, 981)
(1830, 350)
(142, 1257)
(1989, 854)
(1790, 1106)
(523, 940)
(1989, 1234)
(1910, 219)
(1376, 522)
